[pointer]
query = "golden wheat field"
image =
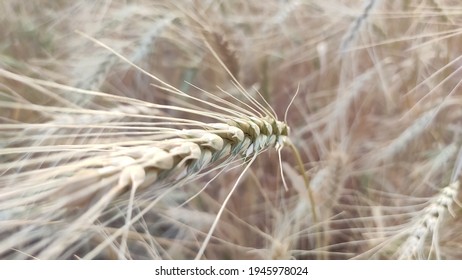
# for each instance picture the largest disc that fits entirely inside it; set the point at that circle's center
(230, 129)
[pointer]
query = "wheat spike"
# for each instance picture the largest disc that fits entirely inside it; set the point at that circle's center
(419, 127)
(356, 25)
(427, 225)
(85, 158)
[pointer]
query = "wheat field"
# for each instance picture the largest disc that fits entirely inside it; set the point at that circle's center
(230, 129)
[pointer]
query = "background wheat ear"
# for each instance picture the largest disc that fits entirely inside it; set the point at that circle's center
(424, 233)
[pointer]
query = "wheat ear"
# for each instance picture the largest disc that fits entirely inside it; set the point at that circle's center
(356, 25)
(427, 225)
(70, 170)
